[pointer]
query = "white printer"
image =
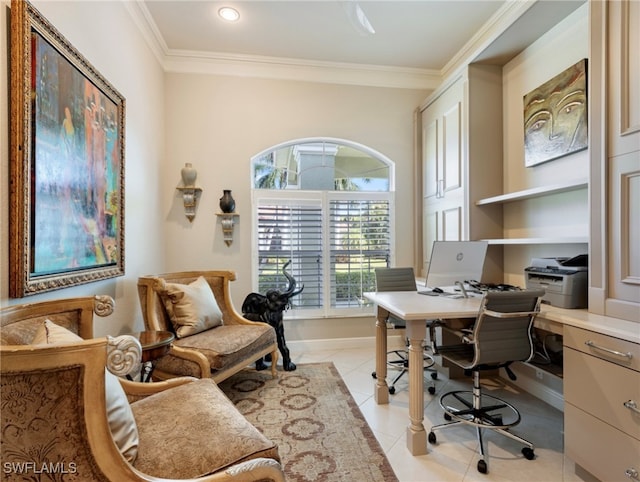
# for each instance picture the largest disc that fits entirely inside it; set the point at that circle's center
(564, 280)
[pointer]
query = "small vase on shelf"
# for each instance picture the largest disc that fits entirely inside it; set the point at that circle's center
(227, 203)
(189, 175)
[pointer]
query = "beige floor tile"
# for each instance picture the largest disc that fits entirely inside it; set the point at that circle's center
(455, 455)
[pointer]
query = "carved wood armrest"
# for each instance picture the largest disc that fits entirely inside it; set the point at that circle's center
(139, 390)
(124, 355)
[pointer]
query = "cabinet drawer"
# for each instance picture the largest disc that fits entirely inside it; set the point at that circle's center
(602, 346)
(599, 448)
(600, 388)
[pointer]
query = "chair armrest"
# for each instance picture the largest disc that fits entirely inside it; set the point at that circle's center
(192, 356)
(138, 390)
(255, 469)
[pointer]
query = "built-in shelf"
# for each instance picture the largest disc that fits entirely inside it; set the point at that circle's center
(558, 240)
(534, 192)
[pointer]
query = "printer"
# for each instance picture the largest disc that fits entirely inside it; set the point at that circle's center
(564, 280)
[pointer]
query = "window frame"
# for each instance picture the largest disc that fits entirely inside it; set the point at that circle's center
(259, 196)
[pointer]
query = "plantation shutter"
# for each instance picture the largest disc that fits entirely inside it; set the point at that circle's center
(359, 242)
(291, 231)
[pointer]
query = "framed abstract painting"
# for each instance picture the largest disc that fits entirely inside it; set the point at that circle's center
(66, 163)
(555, 116)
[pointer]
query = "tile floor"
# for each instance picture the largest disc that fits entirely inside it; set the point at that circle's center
(454, 458)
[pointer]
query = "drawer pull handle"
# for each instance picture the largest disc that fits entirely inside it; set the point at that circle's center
(631, 405)
(591, 344)
(631, 473)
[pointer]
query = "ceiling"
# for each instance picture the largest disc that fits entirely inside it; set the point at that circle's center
(418, 36)
(422, 34)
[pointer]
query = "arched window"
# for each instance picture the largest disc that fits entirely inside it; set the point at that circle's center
(325, 205)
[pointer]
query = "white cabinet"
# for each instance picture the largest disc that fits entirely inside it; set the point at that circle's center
(615, 159)
(462, 161)
(442, 186)
(602, 404)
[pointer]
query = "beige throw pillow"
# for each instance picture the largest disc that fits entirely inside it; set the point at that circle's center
(121, 422)
(192, 308)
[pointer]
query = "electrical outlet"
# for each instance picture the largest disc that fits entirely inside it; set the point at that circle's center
(539, 374)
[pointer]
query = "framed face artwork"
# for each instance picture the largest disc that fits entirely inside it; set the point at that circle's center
(66, 163)
(555, 116)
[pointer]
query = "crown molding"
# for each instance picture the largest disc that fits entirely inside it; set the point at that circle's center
(300, 70)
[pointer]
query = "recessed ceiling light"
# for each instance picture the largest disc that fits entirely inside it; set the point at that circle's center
(229, 14)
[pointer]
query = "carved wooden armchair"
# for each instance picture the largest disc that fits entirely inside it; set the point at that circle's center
(58, 418)
(217, 352)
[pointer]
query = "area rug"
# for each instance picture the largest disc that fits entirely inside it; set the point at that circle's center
(320, 431)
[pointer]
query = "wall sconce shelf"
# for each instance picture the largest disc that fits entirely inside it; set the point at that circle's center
(227, 220)
(190, 197)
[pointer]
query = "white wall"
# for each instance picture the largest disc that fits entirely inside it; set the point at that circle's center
(218, 123)
(560, 214)
(104, 33)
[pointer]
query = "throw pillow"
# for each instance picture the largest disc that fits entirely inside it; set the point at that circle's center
(121, 422)
(192, 308)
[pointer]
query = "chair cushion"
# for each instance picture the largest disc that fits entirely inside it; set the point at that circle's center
(192, 308)
(227, 345)
(194, 430)
(121, 421)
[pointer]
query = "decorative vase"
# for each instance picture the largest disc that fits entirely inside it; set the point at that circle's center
(227, 203)
(189, 175)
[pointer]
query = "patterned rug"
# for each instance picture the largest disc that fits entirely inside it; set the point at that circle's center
(320, 431)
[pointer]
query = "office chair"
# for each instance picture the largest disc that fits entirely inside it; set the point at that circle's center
(401, 279)
(500, 336)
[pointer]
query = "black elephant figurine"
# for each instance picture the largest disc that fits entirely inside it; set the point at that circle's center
(269, 308)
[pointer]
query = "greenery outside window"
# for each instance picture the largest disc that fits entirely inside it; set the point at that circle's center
(325, 205)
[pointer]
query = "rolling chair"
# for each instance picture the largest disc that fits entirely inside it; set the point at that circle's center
(500, 336)
(401, 279)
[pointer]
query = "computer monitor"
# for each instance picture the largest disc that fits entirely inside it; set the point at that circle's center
(453, 261)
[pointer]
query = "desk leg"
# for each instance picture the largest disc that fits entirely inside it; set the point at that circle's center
(381, 389)
(416, 434)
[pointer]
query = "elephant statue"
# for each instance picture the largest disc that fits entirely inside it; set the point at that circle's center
(269, 308)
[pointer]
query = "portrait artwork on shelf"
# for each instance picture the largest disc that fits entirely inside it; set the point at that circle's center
(66, 163)
(555, 116)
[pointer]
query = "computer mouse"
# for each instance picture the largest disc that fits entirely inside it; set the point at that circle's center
(437, 290)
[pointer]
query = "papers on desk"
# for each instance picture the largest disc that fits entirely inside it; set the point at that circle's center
(454, 296)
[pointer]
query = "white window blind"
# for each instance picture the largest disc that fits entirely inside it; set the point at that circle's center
(359, 242)
(291, 232)
(334, 244)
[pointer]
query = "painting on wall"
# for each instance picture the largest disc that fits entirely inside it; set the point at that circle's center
(555, 116)
(66, 163)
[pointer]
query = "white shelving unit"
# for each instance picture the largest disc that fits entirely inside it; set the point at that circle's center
(558, 240)
(530, 194)
(534, 192)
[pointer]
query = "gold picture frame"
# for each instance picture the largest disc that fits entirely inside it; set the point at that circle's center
(66, 165)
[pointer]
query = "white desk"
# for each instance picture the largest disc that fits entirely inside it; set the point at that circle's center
(415, 309)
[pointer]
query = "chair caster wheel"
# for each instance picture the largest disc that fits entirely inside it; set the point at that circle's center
(432, 390)
(482, 466)
(392, 390)
(432, 438)
(373, 374)
(528, 453)
(434, 376)
(447, 417)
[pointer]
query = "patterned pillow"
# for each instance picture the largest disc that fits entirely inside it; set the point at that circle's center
(192, 308)
(121, 422)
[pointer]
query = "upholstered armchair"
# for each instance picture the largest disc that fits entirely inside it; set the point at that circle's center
(213, 342)
(63, 415)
